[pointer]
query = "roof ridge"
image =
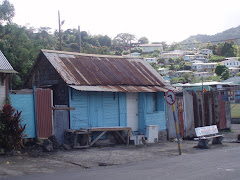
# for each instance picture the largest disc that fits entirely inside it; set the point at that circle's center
(83, 54)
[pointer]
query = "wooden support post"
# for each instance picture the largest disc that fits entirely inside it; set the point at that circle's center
(177, 132)
(95, 140)
(121, 136)
(128, 137)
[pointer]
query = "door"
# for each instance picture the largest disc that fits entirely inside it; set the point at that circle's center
(61, 122)
(132, 111)
(44, 103)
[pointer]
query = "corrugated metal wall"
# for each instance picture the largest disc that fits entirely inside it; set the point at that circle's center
(44, 112)
(211, 109)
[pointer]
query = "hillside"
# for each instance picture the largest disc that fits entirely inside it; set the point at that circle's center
(232, 33)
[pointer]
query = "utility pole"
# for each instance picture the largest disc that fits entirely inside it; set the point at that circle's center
(79, 39)
(60, 33)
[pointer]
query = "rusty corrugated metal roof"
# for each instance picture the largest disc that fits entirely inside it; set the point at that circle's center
(101, 70)
(120, 88)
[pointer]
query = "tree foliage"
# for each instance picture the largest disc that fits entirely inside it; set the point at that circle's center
(11, 129)
(227, 49)
(7, 11)
(143, 40)
(220, 69)
(124, 39)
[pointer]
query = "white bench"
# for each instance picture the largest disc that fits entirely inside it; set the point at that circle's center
(206, 133)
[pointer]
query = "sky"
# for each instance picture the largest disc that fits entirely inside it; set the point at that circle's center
(158, 20)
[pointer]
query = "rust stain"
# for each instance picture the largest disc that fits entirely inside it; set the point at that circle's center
(44, 112)
(87, 70)
(120, 88)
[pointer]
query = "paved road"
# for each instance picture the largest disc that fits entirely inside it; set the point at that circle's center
(220, 164)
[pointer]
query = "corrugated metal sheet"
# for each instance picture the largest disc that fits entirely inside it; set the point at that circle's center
(93, 70)
(44, 112)
(120, 88)
(5, 66)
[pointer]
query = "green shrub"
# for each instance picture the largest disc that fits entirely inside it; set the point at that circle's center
(11, 129)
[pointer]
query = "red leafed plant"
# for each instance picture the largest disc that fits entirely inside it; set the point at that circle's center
(11, 129)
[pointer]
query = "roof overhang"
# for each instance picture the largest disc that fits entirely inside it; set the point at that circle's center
(8, 71)
(120, 88)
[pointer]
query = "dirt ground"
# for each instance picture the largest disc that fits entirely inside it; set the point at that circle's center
(32, 163)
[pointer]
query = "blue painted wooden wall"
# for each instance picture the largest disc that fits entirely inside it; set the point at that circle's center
(24, 103)
(107, 109)
(146, 114)
(97, 109)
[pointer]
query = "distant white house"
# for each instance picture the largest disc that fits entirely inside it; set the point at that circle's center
(163, 71)
(151, 60)
(205, 51)
(202, 74)
(188, 52)
(231, 62)
(167, 55)
(207, 67)
(233, 71)
(151, 47)
(188, 58)
(200, 56)
(180, 73)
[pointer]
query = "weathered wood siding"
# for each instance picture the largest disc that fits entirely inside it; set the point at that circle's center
(44, 75)
(97, 109)
(25, 103)
(61, 123)
(147, 116)
(2, 90)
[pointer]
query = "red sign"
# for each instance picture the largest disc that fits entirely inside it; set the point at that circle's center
(170, 97)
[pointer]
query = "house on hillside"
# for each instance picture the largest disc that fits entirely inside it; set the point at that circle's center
(151, 60)
(231, 62)
(147, 48)
(204, 67)
(5, 70)
(205, 51)
(106, 91)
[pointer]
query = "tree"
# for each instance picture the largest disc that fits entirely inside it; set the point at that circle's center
(189, 77)
(104, 40)
(7, 11)
(227, 49)
(124, 39)
(143, 40)
(225, 75)
(171, 61)
(220, 69)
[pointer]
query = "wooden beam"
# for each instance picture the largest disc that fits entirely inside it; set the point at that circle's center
(120, 136)
(62, 108)
(94, 129)
(95, 140)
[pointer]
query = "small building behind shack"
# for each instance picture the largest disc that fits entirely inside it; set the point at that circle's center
(100, 91)
(5, 70)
